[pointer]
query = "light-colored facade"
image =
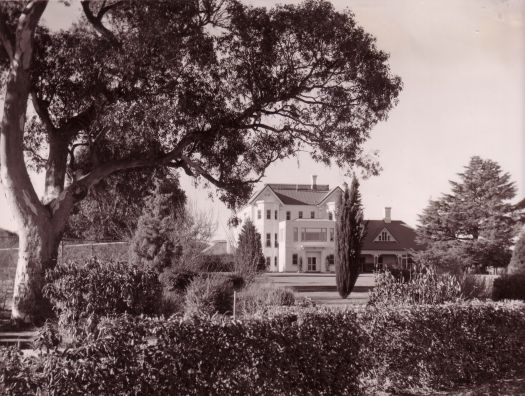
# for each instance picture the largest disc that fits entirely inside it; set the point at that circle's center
(297, 227)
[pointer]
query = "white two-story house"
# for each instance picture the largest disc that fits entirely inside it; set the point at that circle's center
(297, 227)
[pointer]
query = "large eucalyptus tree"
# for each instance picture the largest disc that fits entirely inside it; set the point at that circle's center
(215, 88)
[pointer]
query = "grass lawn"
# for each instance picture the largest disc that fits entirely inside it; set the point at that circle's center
(321, 288)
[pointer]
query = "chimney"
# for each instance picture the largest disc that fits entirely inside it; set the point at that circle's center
(388, 212)
(314, 182)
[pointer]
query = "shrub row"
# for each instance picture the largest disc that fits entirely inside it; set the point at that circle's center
(305, 351)
(317, 354)
(438, 347)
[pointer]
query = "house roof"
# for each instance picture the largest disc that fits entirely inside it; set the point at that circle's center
(300, 194)
(404, 235)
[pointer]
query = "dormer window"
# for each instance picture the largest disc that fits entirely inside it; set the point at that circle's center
(330, 216)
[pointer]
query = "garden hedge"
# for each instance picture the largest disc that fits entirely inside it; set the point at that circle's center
(301, 352)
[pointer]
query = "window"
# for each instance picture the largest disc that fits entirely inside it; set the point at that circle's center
(294, 259)
(300, 215)
(268, 214)
(313, 234)
(331, 234)
(268, 261)
(259, 214)
(276, 241)
(312, 215)
(275, 261)
(384, 236)
(276, 214)
(288, 215)
(268, 240)
(330, 216)
(329, 262)
(295, 234)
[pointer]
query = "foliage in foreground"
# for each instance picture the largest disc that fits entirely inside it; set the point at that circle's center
(81, 294)
(301, 351)
(305, 351)
(275, 356)
(442, 346)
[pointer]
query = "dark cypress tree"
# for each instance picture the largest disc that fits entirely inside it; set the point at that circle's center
(153, 243)
(351, 231)
(249, 256)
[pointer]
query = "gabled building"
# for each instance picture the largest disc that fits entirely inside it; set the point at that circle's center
(297, 227)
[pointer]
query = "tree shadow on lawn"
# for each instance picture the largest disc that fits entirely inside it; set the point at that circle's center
(327, 288)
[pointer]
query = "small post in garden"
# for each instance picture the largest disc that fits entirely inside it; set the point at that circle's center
(234, 303)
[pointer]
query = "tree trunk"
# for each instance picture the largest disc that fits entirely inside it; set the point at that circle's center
(32, 218)
(37, 252)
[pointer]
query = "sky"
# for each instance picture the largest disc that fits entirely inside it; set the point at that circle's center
(462, 63)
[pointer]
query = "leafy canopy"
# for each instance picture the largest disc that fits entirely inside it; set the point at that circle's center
(213, 87)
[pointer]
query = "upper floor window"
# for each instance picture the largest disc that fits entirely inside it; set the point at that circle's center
(313, 234)
(332, 234)
(268, 214)
(330, 216)
(276, 214)
(295, 259)
(312, 215)
(276, 241)
(268, 240)
(275, 261)
(268, 262)
(259, 214)
(300, 214)
(288, 215)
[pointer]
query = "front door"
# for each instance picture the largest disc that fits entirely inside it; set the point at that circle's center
(312, 263)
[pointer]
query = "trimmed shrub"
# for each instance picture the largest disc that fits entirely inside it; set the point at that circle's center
(510, 287)
(439, 347)
(82, 293)
(316, 354)
(421, 288)
(305, 351)
(258, 297)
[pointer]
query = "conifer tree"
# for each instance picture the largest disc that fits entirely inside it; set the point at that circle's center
(153, 243)
(249, 257)
(351, 231)
(473, 226)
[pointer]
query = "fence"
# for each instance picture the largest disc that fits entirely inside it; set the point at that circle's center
(68, 251)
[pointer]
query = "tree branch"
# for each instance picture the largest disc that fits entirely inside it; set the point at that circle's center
(6, 37)
(96, 21)
(42, 109)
